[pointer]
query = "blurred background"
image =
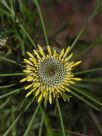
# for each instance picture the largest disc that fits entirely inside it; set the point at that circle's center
(65, 18)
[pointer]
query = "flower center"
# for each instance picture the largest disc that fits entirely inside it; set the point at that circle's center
(51, 71)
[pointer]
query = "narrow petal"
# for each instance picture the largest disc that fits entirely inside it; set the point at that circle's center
(33, 60)
(71, 82)
(68, 58)
(77, 63)
(37, 55)
(67, 89)
(66, 52)
(30, 55)
(76, 79)
(28, 62)
(23, 80)
(28, 86)
(41, 51)
(61, 54)
(40, 98)
(37, 92)
(49, 50)
(55, 53)
(30, 78)
(36, 84)
(27, 71)
(29, 93)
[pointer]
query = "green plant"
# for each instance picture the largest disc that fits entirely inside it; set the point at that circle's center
(22, 29)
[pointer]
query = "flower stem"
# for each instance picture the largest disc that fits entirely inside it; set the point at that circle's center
(31, 122)
(41, 125)
(42, 21)
(42, 120)
(60, 115)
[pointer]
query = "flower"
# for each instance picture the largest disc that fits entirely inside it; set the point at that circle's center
(49, 74)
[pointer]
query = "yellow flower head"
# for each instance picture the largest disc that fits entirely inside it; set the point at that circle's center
(49, 74)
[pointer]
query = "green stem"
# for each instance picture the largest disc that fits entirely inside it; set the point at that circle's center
(60, 115)
(42, 21)
(11, 92)
(13, 118)
(31, 122)
(42, 120)
(16, 120)
(82, 99)
(41, 125)
(94, 13)
(29, 37)
(11, 74)
(78, 36)
(88, 71)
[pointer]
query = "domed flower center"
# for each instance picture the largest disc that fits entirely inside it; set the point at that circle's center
(51, 71)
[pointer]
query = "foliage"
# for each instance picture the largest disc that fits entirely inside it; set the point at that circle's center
(23, 26)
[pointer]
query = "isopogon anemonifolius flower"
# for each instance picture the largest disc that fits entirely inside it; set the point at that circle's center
(48, 75)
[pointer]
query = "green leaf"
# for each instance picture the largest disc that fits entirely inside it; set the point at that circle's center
(9, 60)
(83, 99)
(32, 120)
(11, 74)
(11, 92)
(49, 129)
(42, 21)
(61, 120)
(4, 103)
(88, 95)
(97, 80)
(97, 41)
(15, 121)
(7, 86)
(88, 71)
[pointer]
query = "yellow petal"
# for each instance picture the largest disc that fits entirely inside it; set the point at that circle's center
(40, 98)
(44, 93)
(66, 52)
(67, 89)
(55, 53)
(28, 62)
(23, 80)
(30, 55)
(71, 63)
(36, 84)
(29, 93)
(76, 79)
(77, 63)
(28, 86)
(68, 58)
(41, 50)
(62, 88)
(37, 55)
(30, 78)
(34, 61)
(49, 50)
(37, 92)
(71, 82)
(27, 71)
(62, 53)
(50, 98)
